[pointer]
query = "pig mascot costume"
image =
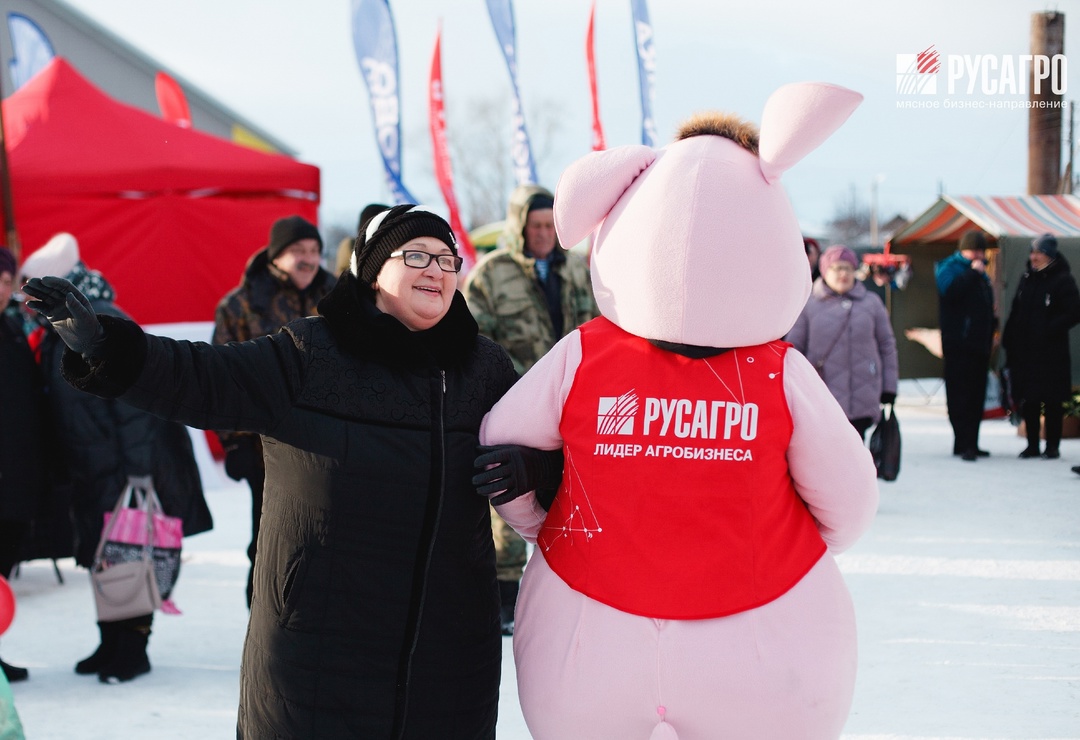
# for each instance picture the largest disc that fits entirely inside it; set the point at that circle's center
(683, 584)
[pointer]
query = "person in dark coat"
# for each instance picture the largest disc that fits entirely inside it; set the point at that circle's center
(375, 612)
(1036, 341)
(282, 281)
(966, 303)
(100, 443)
(22, 471)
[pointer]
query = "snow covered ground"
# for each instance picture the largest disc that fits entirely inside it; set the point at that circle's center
(967, 590)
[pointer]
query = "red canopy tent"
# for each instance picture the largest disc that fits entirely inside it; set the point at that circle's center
(169, 215)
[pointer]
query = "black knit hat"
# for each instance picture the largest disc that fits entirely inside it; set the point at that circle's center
(388, 231)
(369, 211)
(974, 240)
(1047, 244)
(7, 263)
(540, 202)
(290, 230)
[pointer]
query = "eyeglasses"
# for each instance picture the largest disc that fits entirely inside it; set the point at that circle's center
(420, 260)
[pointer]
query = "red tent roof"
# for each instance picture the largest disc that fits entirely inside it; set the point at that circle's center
(169, 215)
(67, 136)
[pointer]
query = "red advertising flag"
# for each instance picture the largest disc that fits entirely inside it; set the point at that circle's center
(171, 100)
(590, 57)
(443, 172)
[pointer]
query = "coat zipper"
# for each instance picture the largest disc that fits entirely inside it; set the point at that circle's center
(439, 451)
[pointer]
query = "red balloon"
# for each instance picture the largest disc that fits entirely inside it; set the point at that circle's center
(7, 605)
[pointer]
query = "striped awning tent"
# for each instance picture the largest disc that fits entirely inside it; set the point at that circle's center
(999, 216)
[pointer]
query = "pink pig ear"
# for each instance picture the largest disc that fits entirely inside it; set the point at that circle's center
(591, 186)
(797, 119)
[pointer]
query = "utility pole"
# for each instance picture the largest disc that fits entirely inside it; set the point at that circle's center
(1069, 180)
(1044, 115)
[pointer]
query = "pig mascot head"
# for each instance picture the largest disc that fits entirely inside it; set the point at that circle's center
(697, 242)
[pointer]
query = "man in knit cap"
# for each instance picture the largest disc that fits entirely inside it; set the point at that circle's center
(282, 281)
(966, 304)
(1036, 341)
(527, 295)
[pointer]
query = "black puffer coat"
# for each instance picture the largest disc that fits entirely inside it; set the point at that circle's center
(1036, 336)
(22, 472)
(375, 609)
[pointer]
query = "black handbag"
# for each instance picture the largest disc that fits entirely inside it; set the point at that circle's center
(885, 445)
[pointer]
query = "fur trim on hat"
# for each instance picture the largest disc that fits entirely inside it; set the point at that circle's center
(727, 125)
(57, 257)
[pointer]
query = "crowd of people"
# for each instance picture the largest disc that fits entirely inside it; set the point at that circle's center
(373, 379)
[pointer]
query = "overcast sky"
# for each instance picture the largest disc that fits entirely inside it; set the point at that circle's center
(291, 69)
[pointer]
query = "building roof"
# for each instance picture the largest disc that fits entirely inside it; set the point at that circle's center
(999, 216)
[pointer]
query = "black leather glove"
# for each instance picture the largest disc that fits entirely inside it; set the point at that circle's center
(69, 312)
(888, 398)
(517, 470)
(242, 458)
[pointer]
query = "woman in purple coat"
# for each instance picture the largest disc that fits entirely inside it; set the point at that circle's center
(845, 333)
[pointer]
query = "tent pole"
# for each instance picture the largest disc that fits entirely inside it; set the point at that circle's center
(5, 183)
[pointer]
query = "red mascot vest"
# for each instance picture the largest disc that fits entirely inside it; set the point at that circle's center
(676, 501)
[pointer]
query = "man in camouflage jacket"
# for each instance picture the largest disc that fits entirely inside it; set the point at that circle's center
(282, 282)
(526, 295)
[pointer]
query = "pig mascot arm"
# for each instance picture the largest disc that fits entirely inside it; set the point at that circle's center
(538, 397)
(833, 472)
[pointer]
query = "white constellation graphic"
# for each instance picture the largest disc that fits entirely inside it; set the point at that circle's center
(577, 521)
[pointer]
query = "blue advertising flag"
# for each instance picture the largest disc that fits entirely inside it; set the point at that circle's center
(31, 49)
(502, 19)
(646, 54)
(376, 53)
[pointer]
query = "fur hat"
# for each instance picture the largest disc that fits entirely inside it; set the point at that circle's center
(57, 257)
(1047, 244)
(7, 262)
(837, 253)
(388, 230)
(290, 230)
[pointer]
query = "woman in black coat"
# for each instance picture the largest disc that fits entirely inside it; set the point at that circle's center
(22, 472)
(97, 444)
(375, 610)
(1036, 341)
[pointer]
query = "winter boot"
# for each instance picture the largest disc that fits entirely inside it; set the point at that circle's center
(508, 592)
(14, 673)
(104, 652)
(129, 657)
